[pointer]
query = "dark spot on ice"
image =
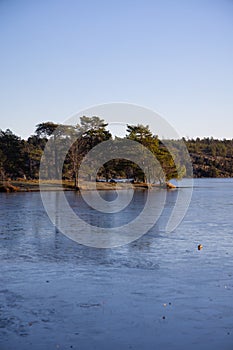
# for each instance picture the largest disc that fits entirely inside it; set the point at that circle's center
(5, 322)
(138, 293)
(88, 305)
(4, 291)
(164, 317)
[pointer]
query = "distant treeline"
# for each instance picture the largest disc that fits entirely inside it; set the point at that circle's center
(211, 157)
(21, 158)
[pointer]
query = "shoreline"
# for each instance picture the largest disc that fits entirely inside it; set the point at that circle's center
(57, 185)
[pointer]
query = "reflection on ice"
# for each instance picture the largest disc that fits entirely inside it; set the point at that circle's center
(55, 293)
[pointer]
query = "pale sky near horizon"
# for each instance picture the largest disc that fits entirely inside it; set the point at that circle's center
(61, 56)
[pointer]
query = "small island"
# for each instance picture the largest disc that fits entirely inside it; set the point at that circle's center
(20, 159)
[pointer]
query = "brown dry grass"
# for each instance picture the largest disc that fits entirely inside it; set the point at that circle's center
(55, 185)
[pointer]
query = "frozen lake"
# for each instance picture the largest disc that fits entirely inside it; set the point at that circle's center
(158, 292)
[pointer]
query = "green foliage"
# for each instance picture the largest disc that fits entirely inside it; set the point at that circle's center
(144, 136)
(211, 157)
(45, 129)
(11, 148)
(21, 158)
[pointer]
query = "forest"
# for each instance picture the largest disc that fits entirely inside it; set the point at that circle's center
(20, 159)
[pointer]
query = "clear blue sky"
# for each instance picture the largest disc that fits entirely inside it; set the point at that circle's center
(175, 57)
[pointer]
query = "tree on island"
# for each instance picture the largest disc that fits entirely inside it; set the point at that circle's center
(21, 158)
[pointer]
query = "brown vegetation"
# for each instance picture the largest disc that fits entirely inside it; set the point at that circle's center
(7, 187)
